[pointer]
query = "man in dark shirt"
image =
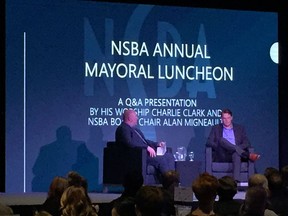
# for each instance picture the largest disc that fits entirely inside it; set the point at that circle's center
(230, 143)
(127, 135)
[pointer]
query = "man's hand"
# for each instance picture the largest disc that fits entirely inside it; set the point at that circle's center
(151, 151)
(162, 144)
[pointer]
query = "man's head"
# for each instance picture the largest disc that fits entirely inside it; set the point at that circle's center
(227, 117)
(130, 117)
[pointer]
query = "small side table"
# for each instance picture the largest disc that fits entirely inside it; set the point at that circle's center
(188, 171)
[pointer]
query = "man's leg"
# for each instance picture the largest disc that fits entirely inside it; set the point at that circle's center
(163, 163)
(232, 148)
(236, 160)
(169, 161)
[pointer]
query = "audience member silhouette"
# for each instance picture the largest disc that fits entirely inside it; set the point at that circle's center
(59, 157)
(127, 135)
(170, 180)
(269, 171)
(205, 188)
(259, 180)
(75, 179)
(284, 173)
(124, 207)
(56, 189)
(255, 202)
(5, 210)
(149, 201)
(43, 213)
(227, 205)
(133, 181)
(74, 202)
(277, 198)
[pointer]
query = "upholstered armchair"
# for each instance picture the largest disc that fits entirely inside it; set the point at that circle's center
(219, 169)
(118, 161)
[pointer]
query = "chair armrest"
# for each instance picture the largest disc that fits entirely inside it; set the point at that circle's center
(118, 161)
(208, 159)
(111, 144)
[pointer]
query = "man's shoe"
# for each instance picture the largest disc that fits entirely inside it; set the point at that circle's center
(253, 157)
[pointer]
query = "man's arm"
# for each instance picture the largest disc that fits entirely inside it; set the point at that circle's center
(126, 136)
(213, 138)
(241, 137)
(151, 143)
(123, 136)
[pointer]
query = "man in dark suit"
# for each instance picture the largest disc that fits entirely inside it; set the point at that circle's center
(127, 135)
(230, 143)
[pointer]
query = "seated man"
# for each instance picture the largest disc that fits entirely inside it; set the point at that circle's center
(229, 142)
(127, 135)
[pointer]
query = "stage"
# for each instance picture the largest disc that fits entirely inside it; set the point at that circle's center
(39, 198)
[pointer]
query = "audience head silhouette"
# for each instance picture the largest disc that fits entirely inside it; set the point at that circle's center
(205, 187)
(227, 188)
(75, 179)
(258, 180)
(43, 213)
(284, 173)
(132, 182)
(226, 204)
(149, 201)
(52, 202)
(74, 202)
(255, 201)
(269, 171)
(5, 209)
(125, 207)
(170, 179)
(275, 182)
(57, 186)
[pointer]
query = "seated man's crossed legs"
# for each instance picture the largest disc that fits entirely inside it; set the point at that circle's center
(225, 144)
